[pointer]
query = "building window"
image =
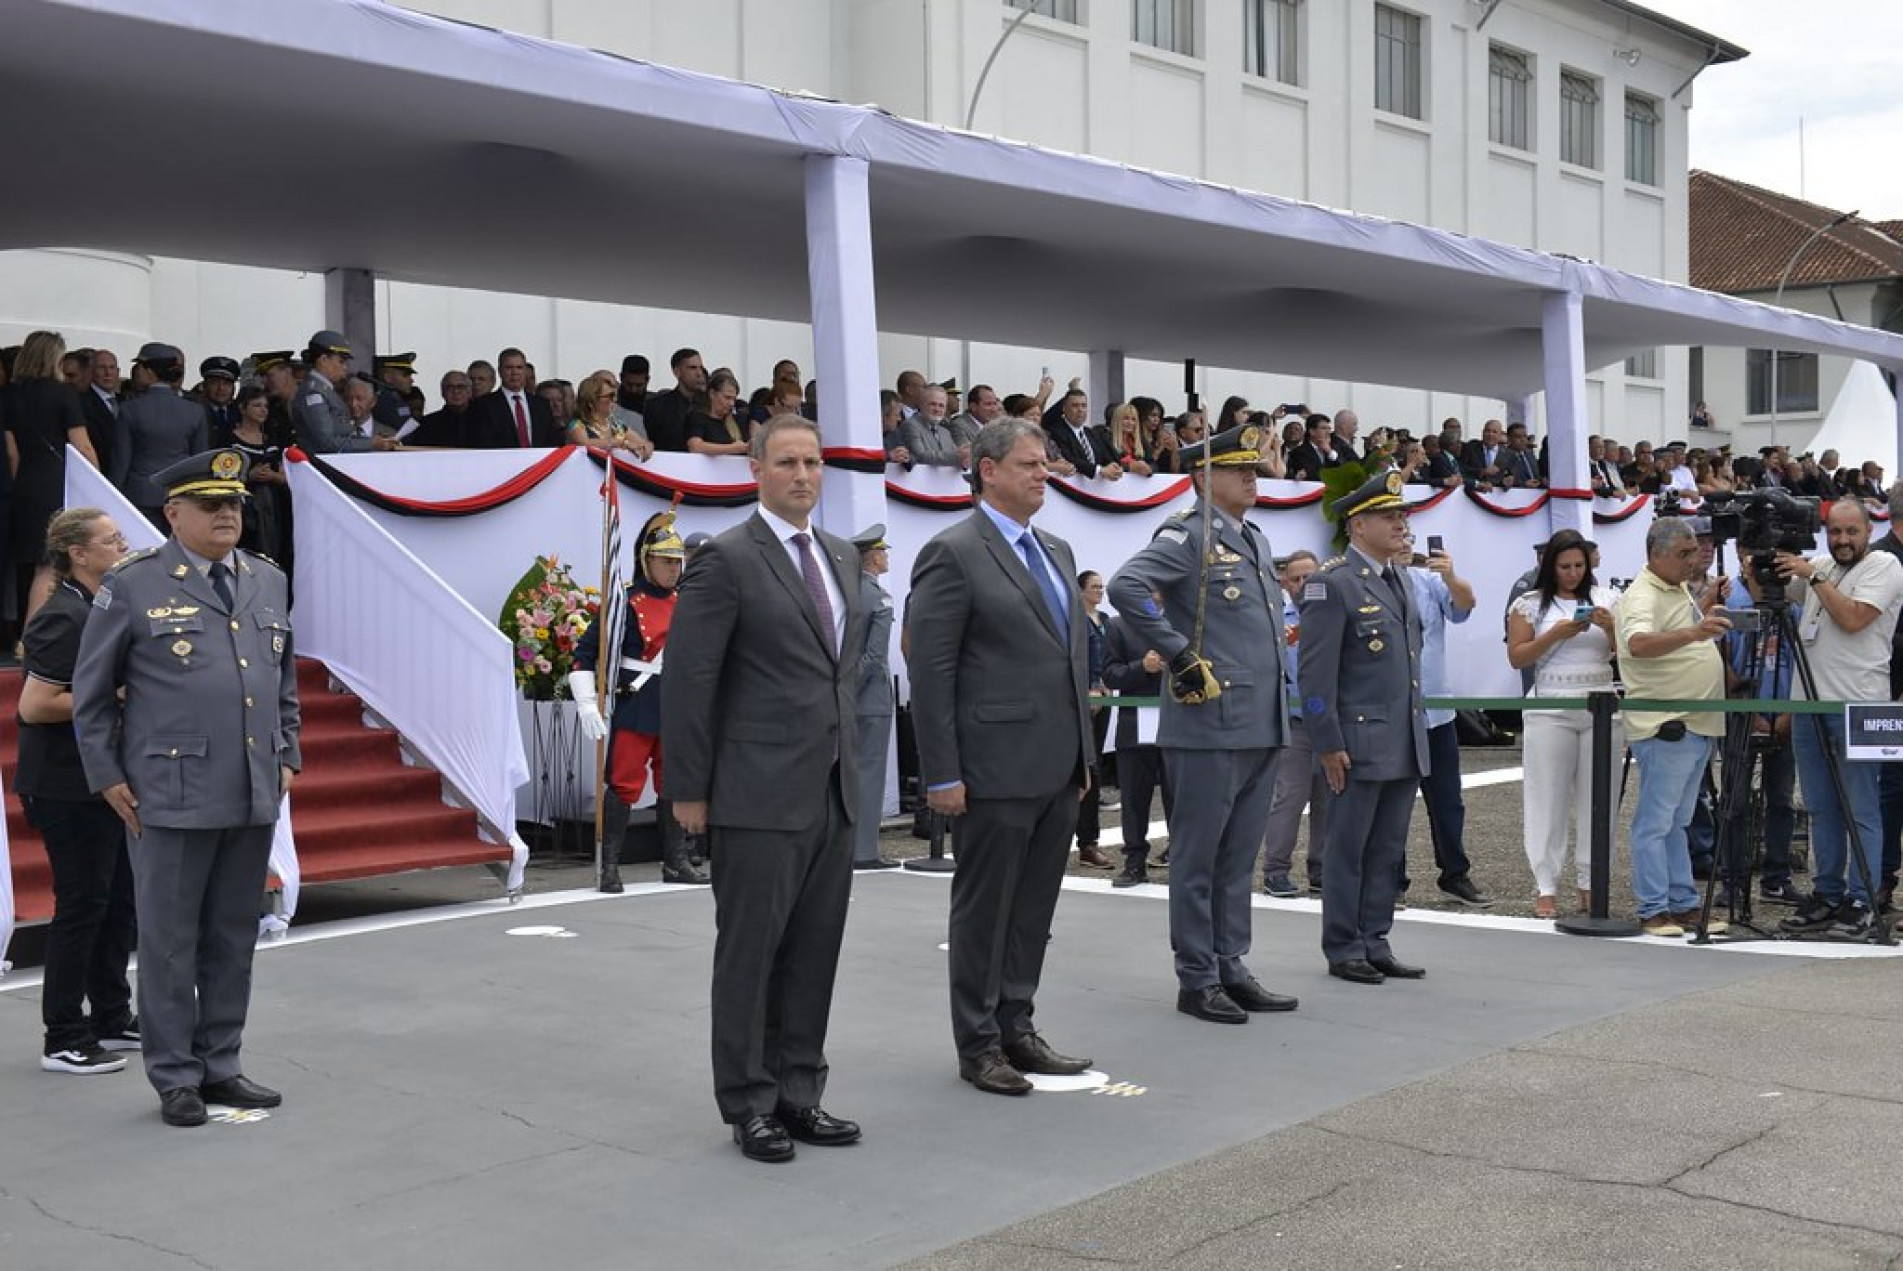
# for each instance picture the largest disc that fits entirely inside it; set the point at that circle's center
(1641, 140)
(1270, 37)
(1796, 382)
(1062, 10)
(1397, 62)
(1578, 120)
(1165, 24)
(1643, 365)
(1509, 99)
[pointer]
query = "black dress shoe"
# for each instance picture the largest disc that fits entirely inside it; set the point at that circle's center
(763, 1139)
(1397, 970)
(240, 1092)
(878, 864)
(181, 1106)
(1463, 890)
(1031, 1053)
(818, 1126)
(1356, 971)
(991, 1074)
(1251, 996)
(1212, 1004)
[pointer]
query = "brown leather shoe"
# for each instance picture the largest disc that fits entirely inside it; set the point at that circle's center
(993, 1075)
(1092, 856)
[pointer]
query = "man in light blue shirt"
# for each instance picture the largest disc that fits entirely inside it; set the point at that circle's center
(1442, 596)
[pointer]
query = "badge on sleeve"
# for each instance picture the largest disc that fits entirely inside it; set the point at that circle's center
(102, 599)
(1173, 534)
(1315, 591)
(314, 399)
(1315, 706)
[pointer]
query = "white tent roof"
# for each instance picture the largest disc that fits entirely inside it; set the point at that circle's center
(1861, 424)
(488, 159)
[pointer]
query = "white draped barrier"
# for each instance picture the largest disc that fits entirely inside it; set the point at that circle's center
(481, 555)
(417, 653)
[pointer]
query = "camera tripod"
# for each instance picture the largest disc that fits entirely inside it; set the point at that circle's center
(1741, 797)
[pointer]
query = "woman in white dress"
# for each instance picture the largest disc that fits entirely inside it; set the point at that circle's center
(1561, 629)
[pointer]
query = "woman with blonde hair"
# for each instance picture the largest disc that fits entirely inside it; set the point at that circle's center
(594, 424)
(43, 417)
(1126, 435)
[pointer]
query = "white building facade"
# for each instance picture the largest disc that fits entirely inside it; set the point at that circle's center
(1553, 124)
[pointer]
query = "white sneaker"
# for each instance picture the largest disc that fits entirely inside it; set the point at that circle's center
(82, 1061)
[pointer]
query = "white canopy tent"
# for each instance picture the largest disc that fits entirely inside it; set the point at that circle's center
(1858, 425)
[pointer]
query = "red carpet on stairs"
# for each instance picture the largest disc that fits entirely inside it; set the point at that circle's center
(357, 810)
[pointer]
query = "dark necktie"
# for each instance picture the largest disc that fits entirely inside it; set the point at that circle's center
(815, 585)
(1396, 586)
(221, 583)
(1053, 599)
(521, 421)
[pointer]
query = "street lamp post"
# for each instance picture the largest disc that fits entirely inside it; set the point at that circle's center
(1789, 266)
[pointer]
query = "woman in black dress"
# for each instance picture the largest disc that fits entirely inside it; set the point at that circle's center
(267, 513)
(43, 417)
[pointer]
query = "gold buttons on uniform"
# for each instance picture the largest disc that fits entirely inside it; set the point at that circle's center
(243, 662)
(249, 702)
(234, 624)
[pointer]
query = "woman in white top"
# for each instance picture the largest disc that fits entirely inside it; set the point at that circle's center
(1562, 629)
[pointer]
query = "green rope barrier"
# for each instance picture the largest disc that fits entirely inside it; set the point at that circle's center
(1728, 706)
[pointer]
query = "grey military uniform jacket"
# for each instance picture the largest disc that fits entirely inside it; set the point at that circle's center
(210, 708)
(1243, 636)
(152, 432)
(874, 689)
(323, 425)
(1359, 670)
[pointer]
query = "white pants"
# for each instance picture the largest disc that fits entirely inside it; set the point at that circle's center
(1556, 751)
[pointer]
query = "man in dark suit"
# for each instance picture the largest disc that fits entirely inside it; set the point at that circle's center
(759, 695)
(1519, 465)
(1316, 454)
(99, 402)
(512, 417)
(998, 656)
(1442, 469)
(666, 412)
(445, 427)
(1085, 448)
(1482, 460)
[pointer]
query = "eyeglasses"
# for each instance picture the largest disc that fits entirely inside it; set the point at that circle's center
(211, 503)
(115, 539)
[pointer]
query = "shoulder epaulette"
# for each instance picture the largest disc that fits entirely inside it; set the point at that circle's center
(143, 554)
(1331, 563)
(245, 551)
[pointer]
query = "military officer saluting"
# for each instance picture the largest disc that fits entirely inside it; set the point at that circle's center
(195, 757)
(1360, 681)
(1224, 719)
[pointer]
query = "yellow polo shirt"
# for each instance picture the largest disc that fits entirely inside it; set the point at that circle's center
(1693, 671)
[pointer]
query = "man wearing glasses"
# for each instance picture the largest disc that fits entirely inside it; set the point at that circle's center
(185, 708)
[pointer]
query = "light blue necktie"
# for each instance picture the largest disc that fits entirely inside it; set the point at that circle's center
(1053, 598)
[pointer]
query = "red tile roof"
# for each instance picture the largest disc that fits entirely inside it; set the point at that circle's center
(1743, 237)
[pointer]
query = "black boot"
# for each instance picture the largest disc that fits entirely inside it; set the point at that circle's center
(676, 866)
(614, 828)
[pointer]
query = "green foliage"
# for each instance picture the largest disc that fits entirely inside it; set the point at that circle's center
(1339, 483)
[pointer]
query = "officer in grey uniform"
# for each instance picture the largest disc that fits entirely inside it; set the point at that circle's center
(321, 419)
(1360, 680)
(1224, 719)
(195, 760)
(156, 429)
(873, 693)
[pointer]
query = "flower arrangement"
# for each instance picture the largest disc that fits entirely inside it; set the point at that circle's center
(544, 617)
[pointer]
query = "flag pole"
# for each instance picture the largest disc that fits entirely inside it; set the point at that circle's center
(607, 661)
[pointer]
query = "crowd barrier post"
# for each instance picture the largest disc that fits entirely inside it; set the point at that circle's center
(1604, 706)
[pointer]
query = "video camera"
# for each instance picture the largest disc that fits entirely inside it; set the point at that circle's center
(1764, 523)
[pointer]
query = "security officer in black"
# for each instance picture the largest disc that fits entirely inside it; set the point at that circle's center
(217, 390)
(195, 758)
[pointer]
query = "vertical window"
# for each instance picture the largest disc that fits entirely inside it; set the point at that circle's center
(1509, 99)
(1641, 140)
(1397, 62)
(1165, 24)
(1796, 381)
(1643, 365)
(1062, 10)
(1270, 38)
(1578, 120)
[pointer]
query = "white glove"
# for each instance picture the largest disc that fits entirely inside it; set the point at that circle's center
(581, 687)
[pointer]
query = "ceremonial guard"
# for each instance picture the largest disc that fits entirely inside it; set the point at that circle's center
(185, 707)
(1360, 681)
(1225, 717)
(636, 736)
(873, 694)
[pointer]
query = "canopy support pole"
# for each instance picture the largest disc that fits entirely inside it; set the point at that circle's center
(1105, 381)
(1563, 334)
(350, 307)
(845, 334)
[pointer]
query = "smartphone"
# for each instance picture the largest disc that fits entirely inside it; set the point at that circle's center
(1582, 613)
(1434, 546)
(1742, 619)
(1045, 373)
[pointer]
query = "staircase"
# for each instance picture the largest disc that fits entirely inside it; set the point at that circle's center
(357, 809)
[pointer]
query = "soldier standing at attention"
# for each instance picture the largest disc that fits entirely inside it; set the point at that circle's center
(1224, 719)
(1360, 678)
(874, 697)
(195, 759)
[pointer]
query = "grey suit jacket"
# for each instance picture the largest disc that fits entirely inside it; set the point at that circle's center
(152, 432)
(934, 445)
(1243, 635)
(210, 708)
(1359, 667)
(757, 704)
(999, 697)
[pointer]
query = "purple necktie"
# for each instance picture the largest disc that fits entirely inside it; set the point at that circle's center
(815, 585)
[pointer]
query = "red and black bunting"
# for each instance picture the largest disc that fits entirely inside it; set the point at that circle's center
(1308, 499)
(931, 502)
(854, 459)
(1624, 514)
(1098, 503)
(1486, 505)
(469, 505)
(692, 493)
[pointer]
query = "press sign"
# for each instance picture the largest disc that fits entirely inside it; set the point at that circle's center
(1873, 731)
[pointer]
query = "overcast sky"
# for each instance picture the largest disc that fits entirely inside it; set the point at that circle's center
(1831, 62)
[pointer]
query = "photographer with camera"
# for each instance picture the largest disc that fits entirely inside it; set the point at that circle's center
(1666, 650)
(1850, 601)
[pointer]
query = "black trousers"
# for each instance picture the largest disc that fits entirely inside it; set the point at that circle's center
(1089, 815)
(1141, 770)
(94, 927)
(1011, 858)
(780, 913)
